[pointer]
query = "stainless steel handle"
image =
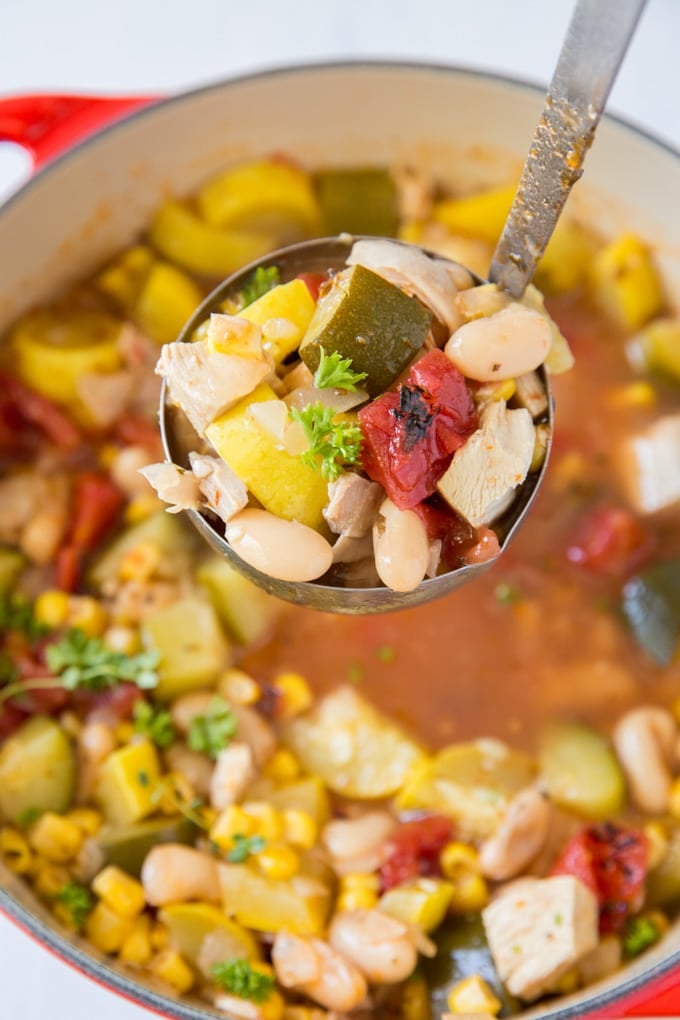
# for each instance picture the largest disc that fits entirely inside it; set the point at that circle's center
(594, 47)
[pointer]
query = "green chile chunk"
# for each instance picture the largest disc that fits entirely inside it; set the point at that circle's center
(37, 769)
(581, 771)
(650, 602)
(126, 846)
(370, 321)
(358, 201)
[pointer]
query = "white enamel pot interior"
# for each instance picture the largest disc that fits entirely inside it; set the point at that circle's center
(470, 129)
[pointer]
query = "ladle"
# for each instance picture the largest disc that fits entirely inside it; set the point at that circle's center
(595, 44)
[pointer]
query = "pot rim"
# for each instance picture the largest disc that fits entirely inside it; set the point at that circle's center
(29, 921)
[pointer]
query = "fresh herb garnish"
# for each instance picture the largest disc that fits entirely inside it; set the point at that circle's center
(336, 372)
(336, 443)
(27, 817)
(240, 978)
(212, 732)
(154, 723)
(244, 846)
(16, 614)
(355, 672)
(639, 934)
(78, 901)
(259, 283)
(506, 594)
(84, 662)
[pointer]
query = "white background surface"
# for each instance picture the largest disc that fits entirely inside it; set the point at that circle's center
(150, 46)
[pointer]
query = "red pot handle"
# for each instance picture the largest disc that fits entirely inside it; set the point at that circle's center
(657, 998)
(47, 125)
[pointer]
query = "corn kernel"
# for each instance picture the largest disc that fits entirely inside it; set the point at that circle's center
(139, 508)
(674, 799)
(239, 688)
(657, 839)
(282, 766)
(50, 879)
(360, 880)
(51, 608)
(107, 454)
(272, 1007)
(56, 838)
(15, 851)
(470, 895)
(140, 563)
(119, 891)
(232, 822)
(503, 390)
(473, 995)
(295, 694)
(459, 859)
(638, 394)
(415, 999)
(300, 829)
(268, 821)
(278, 861)
(159, 936)
(88, 615)
(356, 899)
(88, 820)
(107, 930)
(122, 639)
(64, 916)
(124, 732)
(171, 968)
(136, 949)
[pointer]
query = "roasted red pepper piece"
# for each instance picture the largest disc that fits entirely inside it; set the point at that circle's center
(312, 282)
(34, 409)
(610, 540)
(612, 861)
(414, 850)
(136, 430)
(96, 505)
(411, 433)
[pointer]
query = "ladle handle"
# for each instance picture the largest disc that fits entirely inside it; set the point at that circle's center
(594, 47)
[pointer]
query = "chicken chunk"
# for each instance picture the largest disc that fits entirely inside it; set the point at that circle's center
(206, 383)
(224, 491)
(484, 473)
(234, 772)
(537, 929)
(530, 393)
(353, 505)
(649, 465)
(173, 485)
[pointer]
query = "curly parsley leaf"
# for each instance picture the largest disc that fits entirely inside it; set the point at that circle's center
(244, 846)
(332, 444)
(86, 663)
(16, 614)
(259, 283)
(78, 901)
(154, 723)
(639, 934)
(212, 732)
(336, 372)
(240, 978)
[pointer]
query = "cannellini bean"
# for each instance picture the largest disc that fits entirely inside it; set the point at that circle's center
(356, 844)
(519, 838)
(196, 768)
(256, 732)
(506, 344)
(96, 741)
(173, 873)
(186, 708)
(43, 534)
(125, 469)
(234, 772)
(381, 946)
(401, 546)
(287, 550)
(645, 739)
(317, 970)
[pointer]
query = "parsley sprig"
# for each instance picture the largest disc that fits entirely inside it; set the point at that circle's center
(212, 732)
(154, 723)
(332, 444)
(240, 978)
(84, 662)
(244, 846)
(78, 901)
(261, 281)
(639, 934)
(336, 372)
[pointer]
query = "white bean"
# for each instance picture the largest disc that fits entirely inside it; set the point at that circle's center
(287, 550)
(96, 741)
(356, 844)
(519, 838)
(381, 946)
(196, 768)
(125, 470)
(173, 873)
(188, 706)
(234, 772)
(401, 547)
(317, 970)
(645, 740)
(43, 534)
(509, 343)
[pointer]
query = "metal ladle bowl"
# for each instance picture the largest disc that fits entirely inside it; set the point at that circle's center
(595, 44)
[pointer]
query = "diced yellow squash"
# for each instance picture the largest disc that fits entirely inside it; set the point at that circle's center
(625, 282)
(167, 299)
(248, 612)
(124, 278)
(420, 901)
(180, 235)
(122, 893)
(299, 904)
(354, 748)
(174, 540)
(189, 923)
(126, 783)
(37, 769)
(290, 301)
(660, 347)
(482, 214)
(308, 795)
(281, 482)
(567, 258)
(192, 647)
(263, 195)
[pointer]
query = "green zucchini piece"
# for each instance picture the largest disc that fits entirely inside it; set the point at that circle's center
(37, 769)
(192, 647)
(662, 886)
(11, 565)
(362, 201)
(650, 603)
(370, 321)
(247, 612)
(126, 846)
(174, 538)
(581, 772)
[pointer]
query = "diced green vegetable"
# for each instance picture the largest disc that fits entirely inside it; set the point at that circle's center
(356, 750)
(126, 783)
(581, 772)
(126, 846)
(299, 905)
(362, 201)
(420, 901)
(248, 612)
(189, 923)
(173, 538)
(650, 603)
(37, 770)
(11, 565)
(191, 645)
(370, 321)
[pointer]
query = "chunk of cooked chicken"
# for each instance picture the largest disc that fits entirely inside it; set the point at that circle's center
(649, 465)
(234, 771)
(480, 481)
(173, 485)
(537, 929)
(224, 491)
(353, 505)
(206, 383)
(530, 393)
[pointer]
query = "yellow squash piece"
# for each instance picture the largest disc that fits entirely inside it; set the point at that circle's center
(37, 769)
(357, 751)
(247, 612)
(126, 783)
(281, 482)
(567, 258)
(192, 647)
(420, 901)
(265, 195)
(660, 347)
(189, 923)
(167, 299)
(299, 904)
(180, 235)
(581, 772)
(290, 301)
(175, 540)
(482, 214)
(625, 282)
(123, 279)
(307, 795)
